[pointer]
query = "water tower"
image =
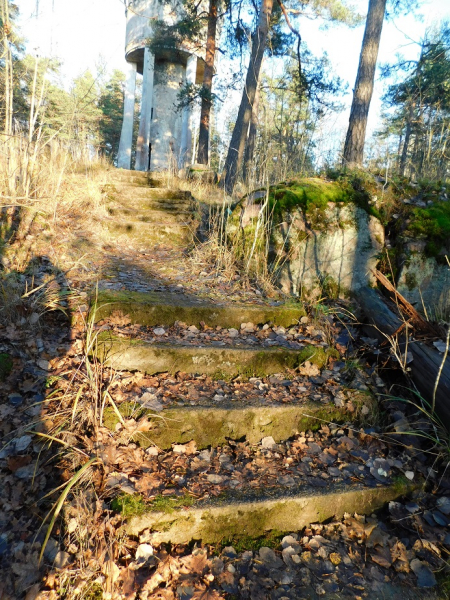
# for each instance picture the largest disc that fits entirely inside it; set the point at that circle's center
(165, 132)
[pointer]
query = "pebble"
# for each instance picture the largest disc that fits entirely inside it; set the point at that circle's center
(15, 399)
(269, 443)
(144, 552)
(193, 329)
(269, 558)
(22, 443)
(159, 331)
(213, 478)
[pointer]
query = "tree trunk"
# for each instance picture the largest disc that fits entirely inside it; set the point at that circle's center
(362, 94)
(407, 138)
(237, 144)
(251, 140)
(203, 138)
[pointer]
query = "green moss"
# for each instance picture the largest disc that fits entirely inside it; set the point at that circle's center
(245, 542)
(6, 365)
(129, 505)
(133, 505)
(94, 592)
(433, 225)
(168, 504)
(411, 281)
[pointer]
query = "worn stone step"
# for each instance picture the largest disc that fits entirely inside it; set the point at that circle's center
(146, 215)
(214, 425)
(131, 191)
(178, 234)
(220, 519)
(126, 176)
(157, 308)
(219, 362)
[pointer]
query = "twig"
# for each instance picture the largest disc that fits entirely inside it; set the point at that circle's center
(436, 383)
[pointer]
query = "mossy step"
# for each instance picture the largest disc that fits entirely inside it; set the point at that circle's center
(213, 425)
(151, 216)
(148, 193)
(159, 308)
(218, 520)
(136, 355)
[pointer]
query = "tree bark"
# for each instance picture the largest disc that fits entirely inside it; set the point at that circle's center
(404, 156)
(203, 138)
(237, 144)
(251, 139)
(362, 94)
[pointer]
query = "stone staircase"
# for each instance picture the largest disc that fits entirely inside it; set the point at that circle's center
(150, 214)
(334, 469)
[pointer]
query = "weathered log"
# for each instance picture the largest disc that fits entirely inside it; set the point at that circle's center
(426, 360)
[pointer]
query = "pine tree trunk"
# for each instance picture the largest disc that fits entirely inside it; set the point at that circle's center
(251, 140)
(203, 138)
(362, 94)
(235, 154)
(406, 142)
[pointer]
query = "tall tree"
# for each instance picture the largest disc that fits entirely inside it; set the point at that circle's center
(362, 94)
(237, 144)
(206, 92)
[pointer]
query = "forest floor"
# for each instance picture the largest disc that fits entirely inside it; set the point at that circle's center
(52, 405)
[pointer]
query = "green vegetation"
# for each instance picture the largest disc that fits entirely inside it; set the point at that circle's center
(133, 505)
(432, 224)
(271, 539)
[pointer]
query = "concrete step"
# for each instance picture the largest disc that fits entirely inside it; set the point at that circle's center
(159, 308)
(126, 176)
(219, 362)
(213, 425)
(226, 518)
(151, 215)
(167, 231)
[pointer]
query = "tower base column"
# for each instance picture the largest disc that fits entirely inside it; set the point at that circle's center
(186, 126)
(143, 141)
(126, 136)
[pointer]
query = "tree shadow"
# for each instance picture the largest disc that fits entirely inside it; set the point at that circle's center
(35, 331)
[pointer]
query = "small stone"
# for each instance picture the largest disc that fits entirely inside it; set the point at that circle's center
(152, 451)
(43, 364)
(229, 552)
(269, 558)
(15, 399)
(269, 443)
(151, 402)
(233, 332)
(193, 329)
(22, 443)
(62, 559)
(304, 320)
(290, 540)
(51, 549)
(424, 574)
(143, 553)
(26, 472)
(159, 331)
(287, 554)
(443, 504)
(217, 566)
(213, 478)
(409, 475)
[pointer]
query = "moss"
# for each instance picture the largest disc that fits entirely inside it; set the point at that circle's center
(133, 505)
(6, 365)
(433, 225)
(168, 504)
(93, 592)
(411, 281)
(129, 505)
(245, 542)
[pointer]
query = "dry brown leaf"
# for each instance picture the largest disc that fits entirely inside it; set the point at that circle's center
(400, 557)
(196, 563)
(204, 593)
(382, 557)
(128, 588)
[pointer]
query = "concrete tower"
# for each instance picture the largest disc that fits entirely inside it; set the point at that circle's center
(165, 133)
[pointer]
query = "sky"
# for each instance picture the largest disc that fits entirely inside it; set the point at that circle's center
(80, 32)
